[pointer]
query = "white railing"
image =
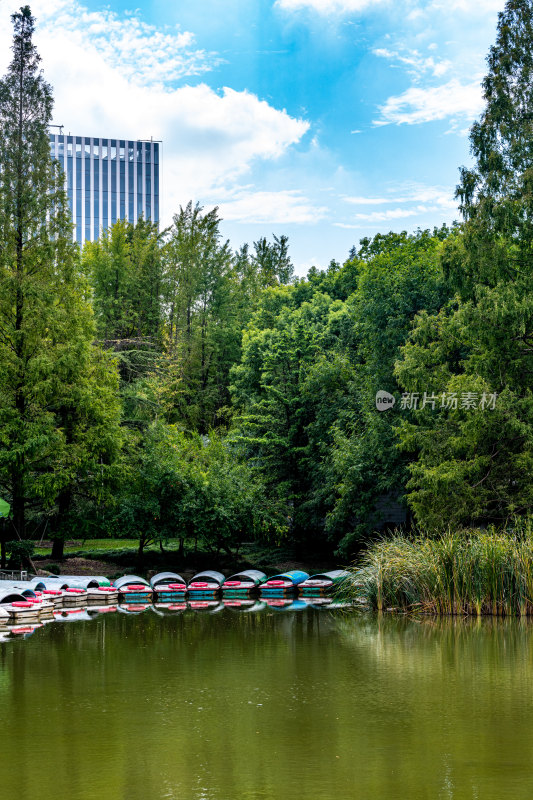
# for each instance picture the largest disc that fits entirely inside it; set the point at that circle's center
(14, 575)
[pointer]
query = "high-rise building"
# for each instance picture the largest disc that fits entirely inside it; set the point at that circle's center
(107, 180)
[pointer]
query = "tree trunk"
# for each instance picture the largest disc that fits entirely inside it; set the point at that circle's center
(3, 539)
(63, 507)
(18, 505)
(19, 517)
(58, 549)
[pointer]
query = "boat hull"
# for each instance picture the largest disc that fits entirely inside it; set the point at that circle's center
(316, 591)
(204, 595)
(168, 595)
(282, 591)
(135, 597)
(240, 593)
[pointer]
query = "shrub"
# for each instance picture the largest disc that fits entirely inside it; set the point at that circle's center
(465, 572)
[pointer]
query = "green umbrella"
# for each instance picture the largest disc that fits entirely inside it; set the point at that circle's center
(4, 508)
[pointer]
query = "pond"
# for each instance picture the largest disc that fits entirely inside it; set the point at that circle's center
(257, 706)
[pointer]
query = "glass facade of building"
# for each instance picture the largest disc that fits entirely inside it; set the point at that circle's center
(107, 180)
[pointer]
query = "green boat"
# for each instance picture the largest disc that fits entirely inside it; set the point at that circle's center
(243, 584)
(323, 583)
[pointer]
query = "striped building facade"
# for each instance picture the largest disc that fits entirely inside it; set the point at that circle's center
(107, 180)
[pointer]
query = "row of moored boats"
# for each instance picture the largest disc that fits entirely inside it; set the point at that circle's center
(41, 598)
(250, 582)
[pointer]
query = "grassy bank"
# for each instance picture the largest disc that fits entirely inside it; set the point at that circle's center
(121, 555)
(471, 573)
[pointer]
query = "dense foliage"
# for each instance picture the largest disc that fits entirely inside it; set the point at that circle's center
(475, 464)
(162, 385)
(59, 408)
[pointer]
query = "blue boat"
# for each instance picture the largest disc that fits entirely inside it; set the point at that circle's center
(205, 584)
(286, 583)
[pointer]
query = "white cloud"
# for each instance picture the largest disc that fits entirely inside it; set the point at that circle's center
(412, 9)
(419, 104)
(477, 7)
(146, 55)
(115, 76)
(386, 216)
(383, 52)
(417, 64)
(395, 213)
(367, 201)
(409, 193)
(287, 206)
(328, 6)
(407, 200)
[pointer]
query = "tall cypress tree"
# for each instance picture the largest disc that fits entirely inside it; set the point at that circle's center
(475, 465)
(496, 194)
(48, 371)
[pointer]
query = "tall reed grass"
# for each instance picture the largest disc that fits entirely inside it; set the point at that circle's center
(465, 572)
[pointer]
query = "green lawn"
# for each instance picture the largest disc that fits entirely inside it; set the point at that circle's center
(106, 544)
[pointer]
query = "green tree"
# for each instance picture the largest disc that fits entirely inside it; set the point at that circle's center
(194, 488)
(56, 390)
(475, 465)
(37, 262)
(204, 320)
(125, 268)
(397, 275)
(272, 261)
(288, 391)
(5, 509)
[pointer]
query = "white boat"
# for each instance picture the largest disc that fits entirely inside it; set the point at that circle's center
(168, 585)
(101, 595)
(19, 607)
(207, 583)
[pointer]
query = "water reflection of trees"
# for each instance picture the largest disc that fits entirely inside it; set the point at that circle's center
(255, 705)
(429, 646)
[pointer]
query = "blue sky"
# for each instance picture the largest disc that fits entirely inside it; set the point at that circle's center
(327, 120)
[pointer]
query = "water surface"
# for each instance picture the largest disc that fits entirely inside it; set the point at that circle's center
(257, 706)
